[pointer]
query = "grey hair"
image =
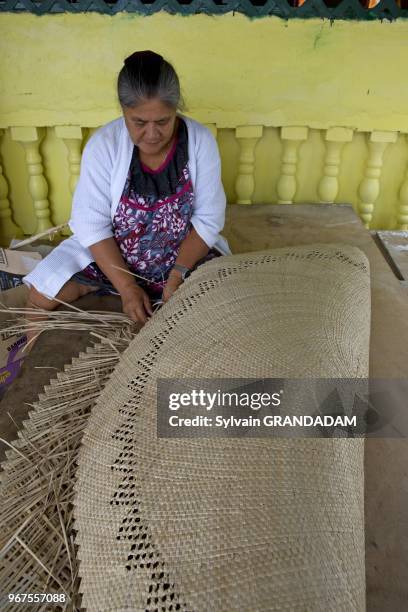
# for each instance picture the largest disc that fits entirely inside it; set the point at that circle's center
(133, 90)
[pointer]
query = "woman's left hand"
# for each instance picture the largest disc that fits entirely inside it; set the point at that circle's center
(172, 284)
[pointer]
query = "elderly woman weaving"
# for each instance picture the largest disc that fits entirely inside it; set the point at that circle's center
(149, 201)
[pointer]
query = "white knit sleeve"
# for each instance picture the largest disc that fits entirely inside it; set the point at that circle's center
(209, 197)
(91, 205)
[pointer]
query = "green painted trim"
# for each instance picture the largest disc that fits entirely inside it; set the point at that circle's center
(346, 9)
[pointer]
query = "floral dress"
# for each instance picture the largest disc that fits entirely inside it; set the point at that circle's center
(151, 220)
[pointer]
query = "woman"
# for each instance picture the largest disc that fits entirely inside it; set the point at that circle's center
(149, 200)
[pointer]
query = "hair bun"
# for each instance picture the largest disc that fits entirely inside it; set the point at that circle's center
(145, 65)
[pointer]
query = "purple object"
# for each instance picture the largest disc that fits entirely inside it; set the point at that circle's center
(11, 369)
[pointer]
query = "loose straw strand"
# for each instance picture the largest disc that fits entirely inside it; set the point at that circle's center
(50, 232)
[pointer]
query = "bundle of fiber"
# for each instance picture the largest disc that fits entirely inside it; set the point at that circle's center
(36, 525)
(230, 523)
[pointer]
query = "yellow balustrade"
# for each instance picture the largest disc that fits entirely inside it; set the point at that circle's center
(345, 172)
(370, 185)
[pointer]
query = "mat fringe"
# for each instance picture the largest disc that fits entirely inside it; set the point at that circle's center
(37, 483)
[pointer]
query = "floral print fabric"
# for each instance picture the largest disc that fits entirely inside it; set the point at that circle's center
(149, 233)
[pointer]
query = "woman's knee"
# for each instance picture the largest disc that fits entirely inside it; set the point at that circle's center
(39, 300)
(69, 292)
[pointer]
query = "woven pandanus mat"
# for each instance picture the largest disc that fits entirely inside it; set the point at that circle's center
(230, 523)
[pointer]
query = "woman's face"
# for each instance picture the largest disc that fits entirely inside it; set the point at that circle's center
(150, 125)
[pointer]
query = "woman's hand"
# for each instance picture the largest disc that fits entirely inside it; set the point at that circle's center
(172, 284)
(136, 303)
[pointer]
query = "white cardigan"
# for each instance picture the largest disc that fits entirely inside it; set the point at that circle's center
(104, 166)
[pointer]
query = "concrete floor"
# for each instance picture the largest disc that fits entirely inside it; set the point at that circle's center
(386, 460)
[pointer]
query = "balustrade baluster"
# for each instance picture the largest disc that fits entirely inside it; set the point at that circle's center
(369, 188)
(286, 187)
(8, 229)
(248, 137)
(335, 138)
(72, 138)
(30, 138)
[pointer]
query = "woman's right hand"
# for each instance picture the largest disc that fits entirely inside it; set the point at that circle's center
(136, 303)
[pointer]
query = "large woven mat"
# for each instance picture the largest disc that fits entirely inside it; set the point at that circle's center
(230, 524)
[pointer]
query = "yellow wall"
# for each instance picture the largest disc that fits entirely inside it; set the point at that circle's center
(61, 70)
(234, 70)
